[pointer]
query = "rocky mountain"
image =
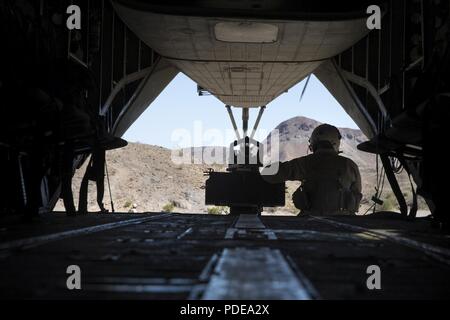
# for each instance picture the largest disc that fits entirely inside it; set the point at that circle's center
(294, 135)
(147, 176)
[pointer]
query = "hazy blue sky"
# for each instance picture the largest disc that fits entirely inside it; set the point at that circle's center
(179, 107)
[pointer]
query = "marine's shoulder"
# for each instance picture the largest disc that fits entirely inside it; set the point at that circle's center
(299, 159)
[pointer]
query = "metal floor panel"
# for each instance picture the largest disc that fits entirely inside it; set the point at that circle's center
(185, 256)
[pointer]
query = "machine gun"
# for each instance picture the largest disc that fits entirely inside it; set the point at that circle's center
(242, 187)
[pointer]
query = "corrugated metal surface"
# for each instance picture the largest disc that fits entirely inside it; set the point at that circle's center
(243, 74)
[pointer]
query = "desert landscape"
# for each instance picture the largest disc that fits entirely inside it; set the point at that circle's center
(143, 178)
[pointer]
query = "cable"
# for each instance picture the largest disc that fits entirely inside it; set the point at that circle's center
(109, 187)
(414, 206)
(381, 174)
(379, 187)
(370, 208)
(382, 181)
(304, 88)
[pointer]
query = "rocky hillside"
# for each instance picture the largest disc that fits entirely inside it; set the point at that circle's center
(145, 175)
(295, 132)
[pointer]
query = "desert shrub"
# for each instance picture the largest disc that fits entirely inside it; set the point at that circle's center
(168, 207)
(127, 204)
(389, 203)
(217, 210)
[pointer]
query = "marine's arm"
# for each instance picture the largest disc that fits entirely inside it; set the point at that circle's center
(282, 171)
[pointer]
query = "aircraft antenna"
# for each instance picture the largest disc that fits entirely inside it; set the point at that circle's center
(304, 88)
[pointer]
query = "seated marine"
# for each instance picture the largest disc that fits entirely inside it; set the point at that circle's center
(330, 183)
